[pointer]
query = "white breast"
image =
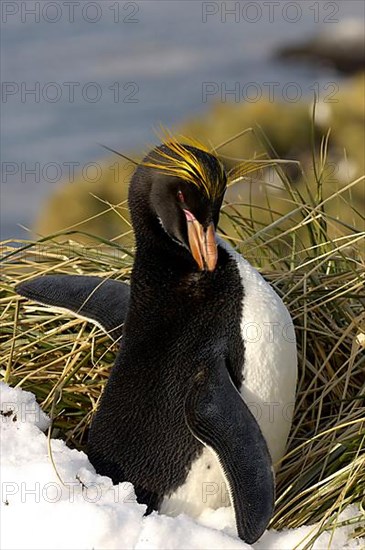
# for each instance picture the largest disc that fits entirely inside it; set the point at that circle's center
(270, 377)
(270, 367)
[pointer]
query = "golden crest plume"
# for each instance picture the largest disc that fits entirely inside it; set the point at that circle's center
(182, 162)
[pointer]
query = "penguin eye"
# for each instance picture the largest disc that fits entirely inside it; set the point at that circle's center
(180, 196)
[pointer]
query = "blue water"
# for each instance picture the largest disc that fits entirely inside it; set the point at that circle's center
(158, 62)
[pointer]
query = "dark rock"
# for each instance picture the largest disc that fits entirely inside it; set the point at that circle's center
(341, 47)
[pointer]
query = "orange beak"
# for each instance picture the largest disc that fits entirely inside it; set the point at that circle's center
(202, 243)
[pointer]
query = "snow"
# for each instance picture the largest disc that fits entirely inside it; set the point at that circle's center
(85, 511)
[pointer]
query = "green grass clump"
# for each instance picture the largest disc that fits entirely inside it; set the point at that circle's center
(315, 260)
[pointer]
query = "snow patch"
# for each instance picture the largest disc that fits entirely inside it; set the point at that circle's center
(85, 510)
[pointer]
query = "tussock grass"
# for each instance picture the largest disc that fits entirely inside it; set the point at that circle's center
(316, 262)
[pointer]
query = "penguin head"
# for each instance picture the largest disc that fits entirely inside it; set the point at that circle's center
(175, 198)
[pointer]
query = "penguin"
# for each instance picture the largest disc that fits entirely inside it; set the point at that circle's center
(199, 403)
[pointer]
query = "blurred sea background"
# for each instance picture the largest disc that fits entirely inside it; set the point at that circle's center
(159, 53)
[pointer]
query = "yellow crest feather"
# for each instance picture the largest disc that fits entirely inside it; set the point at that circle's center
(184, 164)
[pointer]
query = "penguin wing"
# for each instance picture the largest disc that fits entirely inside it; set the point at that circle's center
(104, 302)
(218, 417)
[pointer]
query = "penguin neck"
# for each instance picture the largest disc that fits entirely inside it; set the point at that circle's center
(158, 258)
(158, 261)
(163, 275)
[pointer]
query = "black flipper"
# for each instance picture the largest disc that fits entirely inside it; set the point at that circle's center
(217, 415)
(102, 301)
